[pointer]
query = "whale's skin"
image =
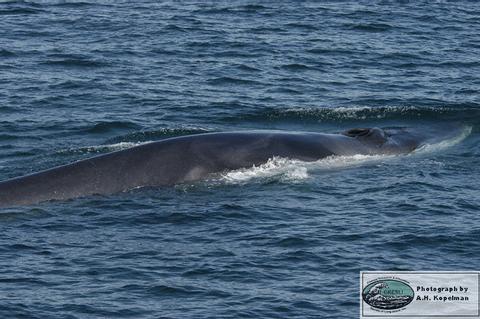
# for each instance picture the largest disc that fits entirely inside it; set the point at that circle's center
(191, 158)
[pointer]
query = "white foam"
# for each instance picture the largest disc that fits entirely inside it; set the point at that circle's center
(289, 170)
(360, 112)
(112, 147)
(427, 148)
(282, 168)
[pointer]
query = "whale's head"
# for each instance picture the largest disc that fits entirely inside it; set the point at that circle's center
(388, 140)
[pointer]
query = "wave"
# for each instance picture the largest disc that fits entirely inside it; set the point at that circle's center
(4, 53)
(370, 27)
(108, 126)
(468, 113)
(230, 81)
(248, 8)
(20, 11)
(74, 61)
(76, 4)
(295, 67)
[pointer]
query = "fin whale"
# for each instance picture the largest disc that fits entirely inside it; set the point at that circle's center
(191, 158)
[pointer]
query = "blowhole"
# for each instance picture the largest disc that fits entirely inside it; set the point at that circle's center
(354, 132)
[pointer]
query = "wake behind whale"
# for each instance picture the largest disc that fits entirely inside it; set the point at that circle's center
(195, 157)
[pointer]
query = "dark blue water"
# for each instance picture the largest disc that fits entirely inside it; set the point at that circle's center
(285, 240)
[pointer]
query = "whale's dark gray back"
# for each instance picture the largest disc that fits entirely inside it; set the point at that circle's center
(189, 158)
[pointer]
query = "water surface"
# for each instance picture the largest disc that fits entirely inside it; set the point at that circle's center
(284, 240)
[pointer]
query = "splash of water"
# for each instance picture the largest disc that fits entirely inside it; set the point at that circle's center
(290, 170)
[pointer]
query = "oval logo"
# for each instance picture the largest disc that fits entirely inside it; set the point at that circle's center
(388, 294)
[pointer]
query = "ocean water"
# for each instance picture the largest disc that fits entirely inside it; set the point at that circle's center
(283, 240)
